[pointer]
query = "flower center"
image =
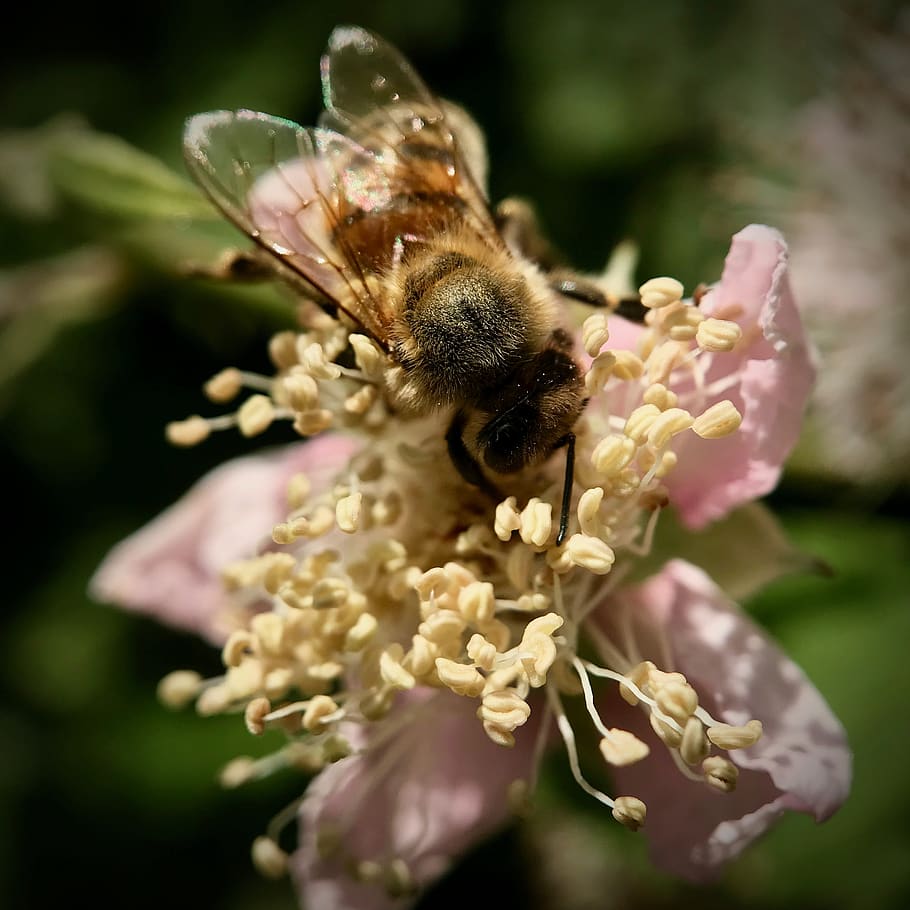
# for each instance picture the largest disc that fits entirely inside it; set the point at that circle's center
(395, 579)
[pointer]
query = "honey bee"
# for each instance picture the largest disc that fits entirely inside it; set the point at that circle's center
(380, 213)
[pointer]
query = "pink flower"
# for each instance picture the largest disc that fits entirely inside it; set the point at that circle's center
(434, 653)
(768, 378)
(801, 763)
(171, 569)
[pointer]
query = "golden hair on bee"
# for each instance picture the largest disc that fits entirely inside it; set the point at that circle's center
(466, 314)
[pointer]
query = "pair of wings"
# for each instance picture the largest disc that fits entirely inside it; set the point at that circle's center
(388, 164)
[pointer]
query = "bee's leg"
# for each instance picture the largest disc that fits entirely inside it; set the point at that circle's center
(585, 291)
(569, 442)
(465, 463)
(233, 265)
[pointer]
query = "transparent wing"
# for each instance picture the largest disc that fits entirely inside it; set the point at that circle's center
(291, 189)
(373, 95)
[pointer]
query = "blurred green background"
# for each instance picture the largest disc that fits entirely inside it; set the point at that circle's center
(670, 123)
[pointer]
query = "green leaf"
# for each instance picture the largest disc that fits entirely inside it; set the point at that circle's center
(41, 298)
(742, 552)
(110, 176)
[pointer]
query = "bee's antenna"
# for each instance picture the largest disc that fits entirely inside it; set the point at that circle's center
(569, 442)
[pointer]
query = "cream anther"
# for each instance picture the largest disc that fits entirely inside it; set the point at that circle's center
(284, 533)
(622, 748)
(268, 858)
(283, 350)
(663, 360)
(667, 425)
(224, 386)
(504, 709)
(188, 432)
(237, 647)
(638, 676)
(309, 423)
(278, 568)
(667, 463)
(458, 575)
(725, 736)
(214, 700)
(255, 415)
(298, 491)
(498, 634)
(694, 747)
(300, 390)
(314, 359)
(519, 565)
(508, 519)
(442, 626)
(533, 603)
(320, 522)
(254, 715)
(720, 773)
(178, 689)
(268, 632)
(718, 335)
(660, 396)
(368, 357)
(669, 735)
(660, 292)
(421, 659)
(462, 679)
(719, 420)
(599, 372)
(481, 651)
(319, 708)
(433, 582)
(537, 648)
(542, 625)
(589, 553)
(276, 682)
(391, 669)
(612, 454)
(638, 423)
(627, 366)
(477, 602)
(361, 633)
(630, 811)
(237, 772)
(682, 323)
(330, 592)
(362, 400)
(536, 522)
(677, 700)
(347, 512)
(588, 512)
(595, 333)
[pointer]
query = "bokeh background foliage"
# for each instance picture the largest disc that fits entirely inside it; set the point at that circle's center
(619, 120)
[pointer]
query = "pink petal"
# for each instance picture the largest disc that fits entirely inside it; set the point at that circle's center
(773, 374)
(444, 789)
(801, 763)
(171, 568)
